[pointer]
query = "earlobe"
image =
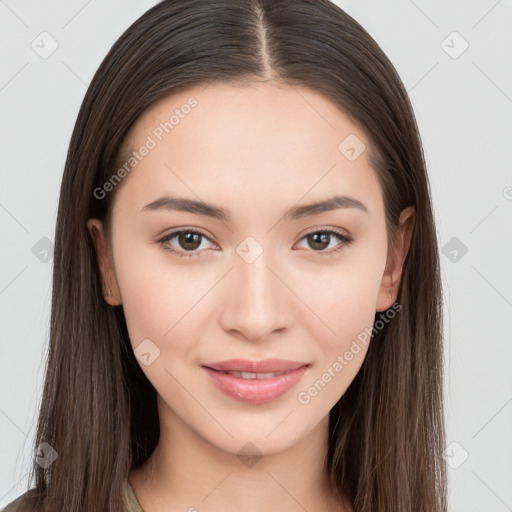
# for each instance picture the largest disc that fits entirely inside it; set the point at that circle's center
(111, 291)
(392, 276)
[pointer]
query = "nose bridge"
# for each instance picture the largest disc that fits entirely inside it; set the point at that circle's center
(255, 300)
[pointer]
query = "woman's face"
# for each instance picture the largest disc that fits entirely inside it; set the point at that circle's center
(261, 279)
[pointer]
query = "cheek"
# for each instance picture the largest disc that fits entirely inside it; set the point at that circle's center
(153, 298)
(350, 319)
(143, 304)
(342, 343)
(344, 296)
(347, 306)
(160, 308)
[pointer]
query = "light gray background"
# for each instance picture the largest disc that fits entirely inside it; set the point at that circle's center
(463, 104)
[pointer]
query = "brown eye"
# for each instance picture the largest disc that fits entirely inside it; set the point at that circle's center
(320, 240)
(187, 241)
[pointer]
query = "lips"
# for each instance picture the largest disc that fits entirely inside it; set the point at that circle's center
(255, 382)
(265, 366)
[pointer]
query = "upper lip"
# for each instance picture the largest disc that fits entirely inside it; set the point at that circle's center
(264, 366)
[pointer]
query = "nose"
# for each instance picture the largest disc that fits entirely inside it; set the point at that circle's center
(256, 302)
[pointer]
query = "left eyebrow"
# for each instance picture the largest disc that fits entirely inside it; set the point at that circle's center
(183, 204)
(333, 203)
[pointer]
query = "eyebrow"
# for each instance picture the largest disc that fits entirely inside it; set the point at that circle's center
(182, 204)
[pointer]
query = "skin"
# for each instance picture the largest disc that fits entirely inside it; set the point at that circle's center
(256, 151)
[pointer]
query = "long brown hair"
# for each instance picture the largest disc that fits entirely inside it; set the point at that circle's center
(98, 409)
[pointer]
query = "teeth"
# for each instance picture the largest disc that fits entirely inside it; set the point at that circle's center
(250, 375)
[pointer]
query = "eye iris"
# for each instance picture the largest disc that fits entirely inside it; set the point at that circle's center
(186, 238)
(319, 238)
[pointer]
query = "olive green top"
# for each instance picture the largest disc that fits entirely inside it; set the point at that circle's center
(26, 502)
(132, 505)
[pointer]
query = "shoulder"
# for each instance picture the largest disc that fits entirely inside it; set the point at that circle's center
(27, 502)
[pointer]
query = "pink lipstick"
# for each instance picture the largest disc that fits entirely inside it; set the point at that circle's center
(255, 382)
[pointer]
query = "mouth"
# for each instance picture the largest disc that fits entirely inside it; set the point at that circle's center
(250, 375)
(255, 382)
(260, 367)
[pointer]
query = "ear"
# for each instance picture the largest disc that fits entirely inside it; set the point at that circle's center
(390, 282)
(110, 287)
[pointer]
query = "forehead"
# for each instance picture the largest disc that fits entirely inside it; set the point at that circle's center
(271, 141)
(262, 109)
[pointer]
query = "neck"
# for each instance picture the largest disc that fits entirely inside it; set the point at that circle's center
(186, 472)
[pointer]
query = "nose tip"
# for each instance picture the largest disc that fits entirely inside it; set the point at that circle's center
(254, 305)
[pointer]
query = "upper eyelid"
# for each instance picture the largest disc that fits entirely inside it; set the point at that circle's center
(312, 230)
(177, 231)
(198, 231)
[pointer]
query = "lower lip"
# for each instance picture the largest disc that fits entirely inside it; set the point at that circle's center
(255, 391)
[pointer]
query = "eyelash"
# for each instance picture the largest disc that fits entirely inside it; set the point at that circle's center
(346, 240)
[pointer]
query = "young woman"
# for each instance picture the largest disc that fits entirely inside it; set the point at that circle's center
(246, 298)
